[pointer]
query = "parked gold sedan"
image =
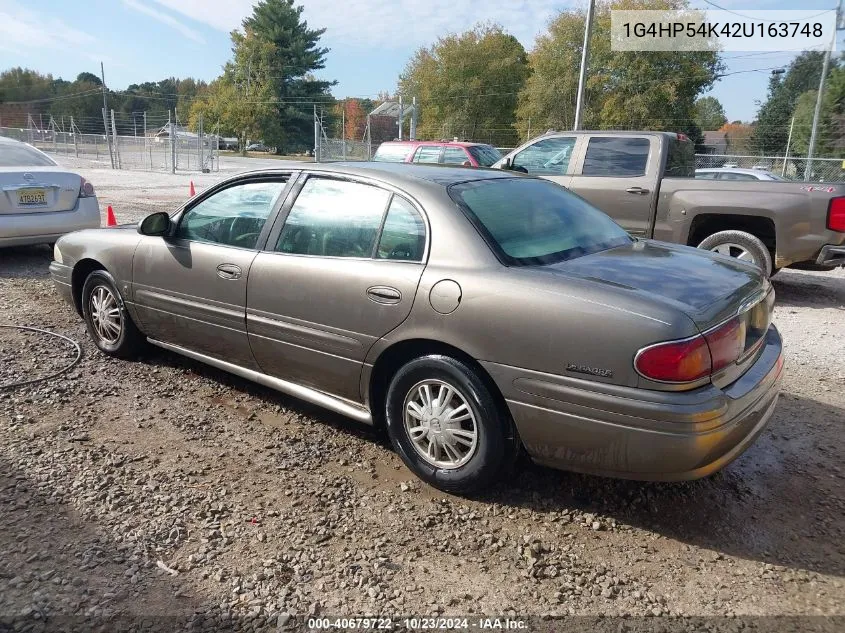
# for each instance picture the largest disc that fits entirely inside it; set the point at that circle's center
(472, 312)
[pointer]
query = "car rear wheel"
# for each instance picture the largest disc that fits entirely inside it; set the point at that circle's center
(742, 246)
(447, 426)
(109, 324)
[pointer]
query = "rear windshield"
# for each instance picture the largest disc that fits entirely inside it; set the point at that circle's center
(20, 155)
(391, 153)
(484, 155)
(529, 222)
(680, 162)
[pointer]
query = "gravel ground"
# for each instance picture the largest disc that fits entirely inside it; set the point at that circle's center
(164, 488)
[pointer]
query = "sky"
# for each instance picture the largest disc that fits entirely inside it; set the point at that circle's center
(370, 40)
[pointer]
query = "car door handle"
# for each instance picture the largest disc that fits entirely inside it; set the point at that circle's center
(229, 271)
(384, 294)
(638, 190)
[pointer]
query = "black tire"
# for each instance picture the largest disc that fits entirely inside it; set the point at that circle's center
(129, 341)
(753, 245)
(496, 446)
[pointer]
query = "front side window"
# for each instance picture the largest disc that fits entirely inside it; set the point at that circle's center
(455, 156)
(548, 157)
(616, 156)
(427, 154)
(403, 235)
(234, 216)
(333, 218)
(530, 222)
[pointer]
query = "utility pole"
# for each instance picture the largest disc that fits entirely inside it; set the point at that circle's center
(808, 171)
(788, 143)
(316, 136)
(582, 76)
(105, 114)
(401, 112)
(412, 134)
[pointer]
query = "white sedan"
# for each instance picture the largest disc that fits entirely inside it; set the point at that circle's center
(735, 173)
(40, 201)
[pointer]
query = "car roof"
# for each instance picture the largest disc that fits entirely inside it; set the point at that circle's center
(397, 173)
(416, 143)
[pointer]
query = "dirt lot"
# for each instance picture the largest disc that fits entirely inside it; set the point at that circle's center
(261, 506)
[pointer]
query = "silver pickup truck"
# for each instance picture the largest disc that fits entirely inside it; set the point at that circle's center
(645, 181)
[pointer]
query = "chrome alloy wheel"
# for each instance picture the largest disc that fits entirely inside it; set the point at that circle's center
(440, 424)
(105, 315)
(736, 251)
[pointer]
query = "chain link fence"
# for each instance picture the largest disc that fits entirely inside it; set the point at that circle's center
(153, 152)
(824, 169)
(333, 149)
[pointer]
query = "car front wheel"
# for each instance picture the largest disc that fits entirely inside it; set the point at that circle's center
(447, 426)
(109, 324)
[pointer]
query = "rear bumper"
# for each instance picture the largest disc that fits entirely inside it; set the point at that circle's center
(632, 433)
(831, 256)
(22, 229)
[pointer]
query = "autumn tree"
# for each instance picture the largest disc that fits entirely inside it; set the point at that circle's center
(467, 85)
(740, 138)
(351, 113)
(635, 90)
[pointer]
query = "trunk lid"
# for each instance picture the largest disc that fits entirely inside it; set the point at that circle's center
(37, 190)
(708, 288)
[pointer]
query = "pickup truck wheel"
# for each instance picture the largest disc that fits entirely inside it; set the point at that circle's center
(741, 245)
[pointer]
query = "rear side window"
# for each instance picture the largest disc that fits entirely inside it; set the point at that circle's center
(531, 222)
(403, 235)
(680, 161)
(334, 218)
(234, 216)
(616, 156)
(455, 156)
(21, 155)
(548, 157)
(391, 153)
(726, 175)
(427, 154)
(706, 175)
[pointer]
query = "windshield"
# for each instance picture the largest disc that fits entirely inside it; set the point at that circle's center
(391, 153)
(21, 155)
(484, 155)
(529, 222)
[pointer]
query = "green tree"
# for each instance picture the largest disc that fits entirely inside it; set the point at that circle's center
(709, 113)
(296, 56)
(775, 114)
(830, 137)
(242, 101)
(635, 90)
(467, 85)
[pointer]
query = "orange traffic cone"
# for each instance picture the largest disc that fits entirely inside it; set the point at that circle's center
(110, 219)
(193, 191)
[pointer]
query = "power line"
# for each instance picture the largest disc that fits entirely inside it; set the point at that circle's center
(748, 17)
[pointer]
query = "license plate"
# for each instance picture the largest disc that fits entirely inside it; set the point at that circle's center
(32, 197)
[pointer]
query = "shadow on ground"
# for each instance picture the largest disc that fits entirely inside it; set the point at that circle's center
(812, 290)
(781, 502)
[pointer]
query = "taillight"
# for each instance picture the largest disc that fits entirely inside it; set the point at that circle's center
(726, 343)
(836, 215)
(693, 358)
(675, 361)
(86, 189)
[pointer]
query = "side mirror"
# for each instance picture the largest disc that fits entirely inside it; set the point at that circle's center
(506, 164)
(156, 224)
